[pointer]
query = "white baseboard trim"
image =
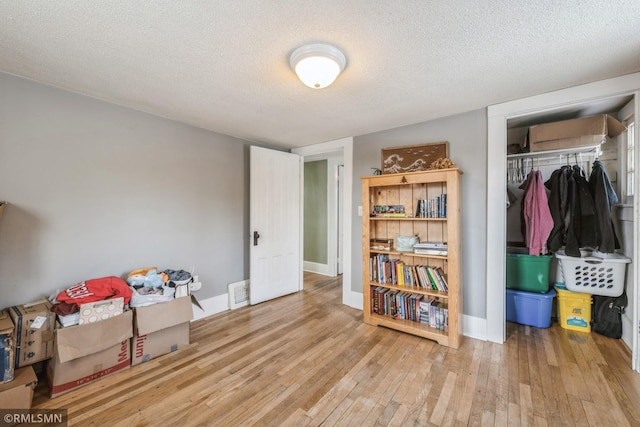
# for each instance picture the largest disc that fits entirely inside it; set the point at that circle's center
(472, 327)
(315, 267)
(211, 306)
(356, 301)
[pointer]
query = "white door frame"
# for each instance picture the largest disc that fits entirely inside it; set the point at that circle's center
(497, 116)
(339, 171)
(345, 145)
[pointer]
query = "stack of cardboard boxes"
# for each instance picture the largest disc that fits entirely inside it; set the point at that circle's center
(78, 355)
(87, 352)
(28, 338)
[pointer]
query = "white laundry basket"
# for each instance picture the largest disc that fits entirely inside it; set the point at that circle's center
(593, 272)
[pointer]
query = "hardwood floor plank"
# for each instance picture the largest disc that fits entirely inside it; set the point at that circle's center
(443, 401)
(332, 399)
(476, 415)
(526, 405)
(337, 413)
(468, 388)
(307, 360)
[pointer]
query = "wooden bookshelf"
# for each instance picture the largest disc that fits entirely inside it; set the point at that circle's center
(406, 189)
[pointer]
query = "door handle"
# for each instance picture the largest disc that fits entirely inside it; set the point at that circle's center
(256, 236)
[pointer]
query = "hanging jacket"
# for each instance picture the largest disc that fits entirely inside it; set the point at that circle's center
(585, 220)
(581, 227)
(537, 216)
(604, 197)
(526, 184)
(558, 206)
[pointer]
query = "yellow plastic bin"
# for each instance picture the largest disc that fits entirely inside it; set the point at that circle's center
(574, 309)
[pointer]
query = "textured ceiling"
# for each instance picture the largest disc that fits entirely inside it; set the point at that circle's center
(223, 65)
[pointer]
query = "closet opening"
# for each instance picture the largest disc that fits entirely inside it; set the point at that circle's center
(536, 240)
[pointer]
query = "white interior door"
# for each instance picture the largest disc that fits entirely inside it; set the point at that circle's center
(275, 212)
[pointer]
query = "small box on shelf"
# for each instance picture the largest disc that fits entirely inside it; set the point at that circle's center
(388, 211)
(381, 244)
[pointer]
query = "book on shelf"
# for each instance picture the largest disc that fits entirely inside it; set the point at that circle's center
(431, 245)
(433, 313)
(441, 276)
(400, 273)
(421, 251)
(432, 279)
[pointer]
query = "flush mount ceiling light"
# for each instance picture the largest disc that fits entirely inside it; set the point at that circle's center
(317, 65)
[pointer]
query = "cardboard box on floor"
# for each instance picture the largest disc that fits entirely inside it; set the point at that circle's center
(160, 329)
(7, 347)
(34, 325)
(85, 353)
(18, 393)
(581, 132)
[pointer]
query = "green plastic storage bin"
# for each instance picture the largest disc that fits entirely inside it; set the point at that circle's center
(528, 272)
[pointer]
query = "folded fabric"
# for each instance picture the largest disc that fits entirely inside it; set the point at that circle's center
(64, 308)
(96, 290)
(178, 276)
(150, 278)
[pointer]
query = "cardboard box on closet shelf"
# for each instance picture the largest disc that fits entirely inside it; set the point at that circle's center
(7, 347)
(34, 325)
(160, 329)
(572, 133)
(85, 353)
(18, 393)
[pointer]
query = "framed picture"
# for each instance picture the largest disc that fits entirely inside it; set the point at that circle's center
(412, 158)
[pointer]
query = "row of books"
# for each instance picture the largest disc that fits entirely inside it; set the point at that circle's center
(396, 272)
(432, 208)
(407, 306)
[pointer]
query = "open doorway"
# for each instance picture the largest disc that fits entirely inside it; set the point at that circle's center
(322, 219)
(342, 148)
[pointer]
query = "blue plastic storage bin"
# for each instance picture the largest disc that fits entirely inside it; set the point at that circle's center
(530, 308)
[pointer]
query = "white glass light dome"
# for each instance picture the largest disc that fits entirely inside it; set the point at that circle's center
(317, 65)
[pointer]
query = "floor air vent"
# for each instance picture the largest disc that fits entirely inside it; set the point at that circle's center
(238, 294)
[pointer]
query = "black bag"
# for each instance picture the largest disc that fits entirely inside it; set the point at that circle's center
(606, 316)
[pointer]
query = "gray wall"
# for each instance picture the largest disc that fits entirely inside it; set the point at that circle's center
(315, 211)
(467, 136)
(96, 190)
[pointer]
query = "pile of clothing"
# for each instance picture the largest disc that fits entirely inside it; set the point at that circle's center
(152, 287)
(67, 304)
(82, 302)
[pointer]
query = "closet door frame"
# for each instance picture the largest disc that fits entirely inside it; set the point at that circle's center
(497, 118)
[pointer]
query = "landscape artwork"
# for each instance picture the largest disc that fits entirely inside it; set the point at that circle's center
(413, 158)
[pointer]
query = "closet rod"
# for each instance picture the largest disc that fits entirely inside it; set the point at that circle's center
(595, 149)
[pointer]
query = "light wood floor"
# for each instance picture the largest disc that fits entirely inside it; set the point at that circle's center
(306, 359)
